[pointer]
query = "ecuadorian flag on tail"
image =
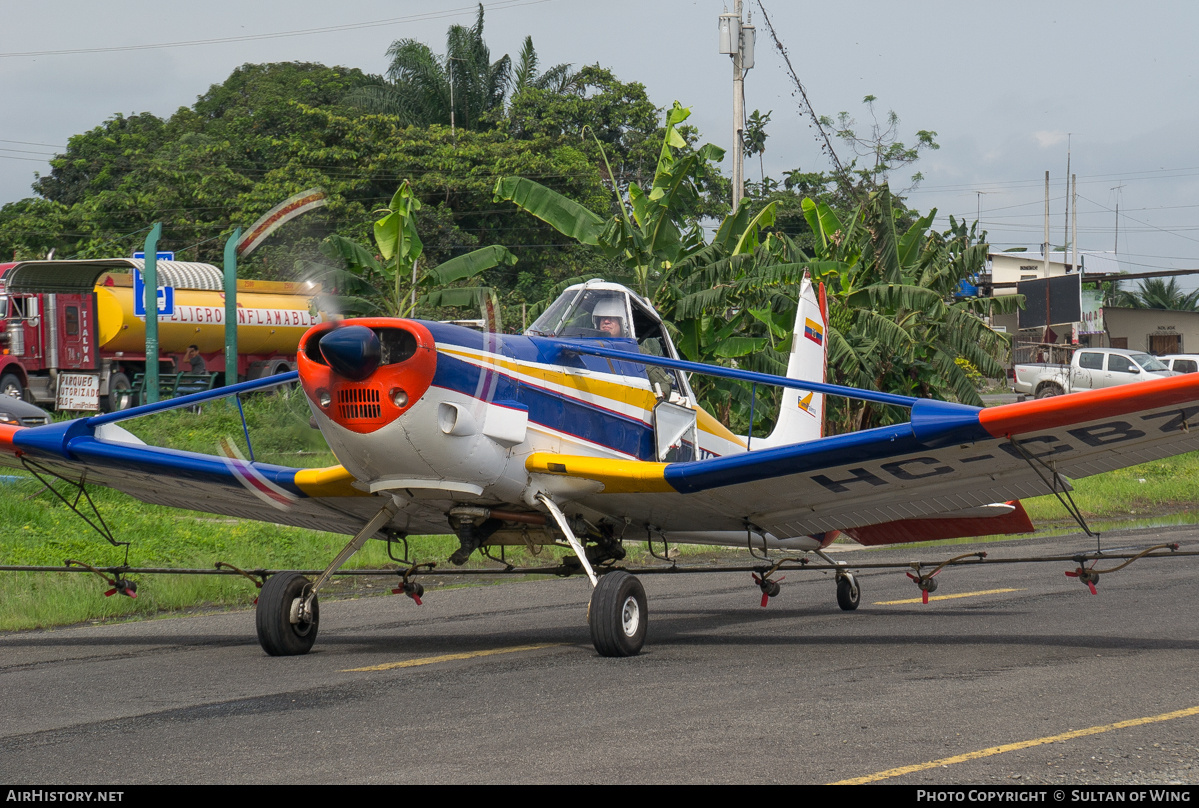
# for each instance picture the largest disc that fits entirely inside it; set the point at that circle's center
(813, 331)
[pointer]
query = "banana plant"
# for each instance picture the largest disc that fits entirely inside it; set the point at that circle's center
(399, 253)
(651, 230)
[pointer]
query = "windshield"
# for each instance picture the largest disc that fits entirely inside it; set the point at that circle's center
(587, 314)
(3, 306)
(1148, 363)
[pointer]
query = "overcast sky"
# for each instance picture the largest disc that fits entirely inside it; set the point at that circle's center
(1001, 84)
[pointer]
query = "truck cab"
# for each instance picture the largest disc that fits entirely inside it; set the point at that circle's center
(72, 334)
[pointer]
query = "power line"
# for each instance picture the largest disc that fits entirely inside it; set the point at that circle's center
(497, 5)
(28, 151)
(1152, 174)
(1150, 226)
(31, 143)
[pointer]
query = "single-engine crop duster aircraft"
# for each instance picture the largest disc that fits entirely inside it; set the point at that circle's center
(585, 430)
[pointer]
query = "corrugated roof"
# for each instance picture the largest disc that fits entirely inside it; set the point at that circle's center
(81, 275)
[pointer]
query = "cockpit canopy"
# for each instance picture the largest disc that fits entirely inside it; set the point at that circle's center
(601, 310)
(608, 311)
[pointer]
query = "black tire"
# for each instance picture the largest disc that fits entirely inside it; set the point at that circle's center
(10, 385)
(617, 615)
(120, 393)
(277, 635)
(1049, 391)
(849, 594)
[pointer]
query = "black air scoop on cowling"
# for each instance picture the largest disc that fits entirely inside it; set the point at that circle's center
(353, 351)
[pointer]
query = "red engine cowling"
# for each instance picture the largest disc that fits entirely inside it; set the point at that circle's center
(364, 373)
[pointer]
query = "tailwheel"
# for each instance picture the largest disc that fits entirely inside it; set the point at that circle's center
(617, 615)
(284, 629)
(848, 593)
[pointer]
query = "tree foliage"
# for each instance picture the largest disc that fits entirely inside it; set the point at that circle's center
(370, 284)
(1155, 293)
(879, 146)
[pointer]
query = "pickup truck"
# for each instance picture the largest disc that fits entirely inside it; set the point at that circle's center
(1090, 369)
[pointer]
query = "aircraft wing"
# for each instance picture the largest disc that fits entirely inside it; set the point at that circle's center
(319, 499)
(948, 458)
(97, 450)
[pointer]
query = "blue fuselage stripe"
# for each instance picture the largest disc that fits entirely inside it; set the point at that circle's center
(549, 409)
(839, 450)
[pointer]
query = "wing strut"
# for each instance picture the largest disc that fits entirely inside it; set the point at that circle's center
(37, 470)
(1057, 486)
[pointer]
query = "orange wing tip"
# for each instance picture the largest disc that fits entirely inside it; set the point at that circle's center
(1050, 413)
(6, 433)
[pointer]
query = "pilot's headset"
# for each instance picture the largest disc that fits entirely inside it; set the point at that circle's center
(610, 307)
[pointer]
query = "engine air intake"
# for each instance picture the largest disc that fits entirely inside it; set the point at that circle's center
(358, 403)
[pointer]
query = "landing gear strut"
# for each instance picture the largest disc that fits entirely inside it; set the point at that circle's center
(617, 613)
(288, 613)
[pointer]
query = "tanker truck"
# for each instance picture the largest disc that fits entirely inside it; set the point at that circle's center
(73, 323)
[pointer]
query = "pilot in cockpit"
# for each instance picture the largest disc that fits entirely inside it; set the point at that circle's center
(608, 318)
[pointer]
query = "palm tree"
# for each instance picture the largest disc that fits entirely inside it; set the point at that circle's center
(895, 323)
(558, 79)
(1156, 293)
(423, 88)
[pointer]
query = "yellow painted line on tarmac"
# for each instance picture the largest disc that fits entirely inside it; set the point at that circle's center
(1014, 747)
(433, 660)
(946, 597)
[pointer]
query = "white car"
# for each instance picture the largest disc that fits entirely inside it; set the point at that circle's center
(1181, 363)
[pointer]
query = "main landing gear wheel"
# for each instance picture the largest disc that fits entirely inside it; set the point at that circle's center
(617, 615)
(277, 634)
(848, 593)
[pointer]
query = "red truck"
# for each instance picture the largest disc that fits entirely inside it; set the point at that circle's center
(70, 327)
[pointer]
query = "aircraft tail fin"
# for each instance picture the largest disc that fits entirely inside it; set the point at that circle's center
(801, 414)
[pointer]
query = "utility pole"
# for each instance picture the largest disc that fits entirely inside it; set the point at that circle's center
(737, 40)
(978, 206)
(1045, 243)
(1074, 219)
(453, 130)
(1116, 248)
(1066, 219)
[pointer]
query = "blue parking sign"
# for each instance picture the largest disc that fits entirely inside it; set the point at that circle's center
(166, 297)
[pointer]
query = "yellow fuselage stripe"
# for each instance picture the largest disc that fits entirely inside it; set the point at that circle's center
(628, 394)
